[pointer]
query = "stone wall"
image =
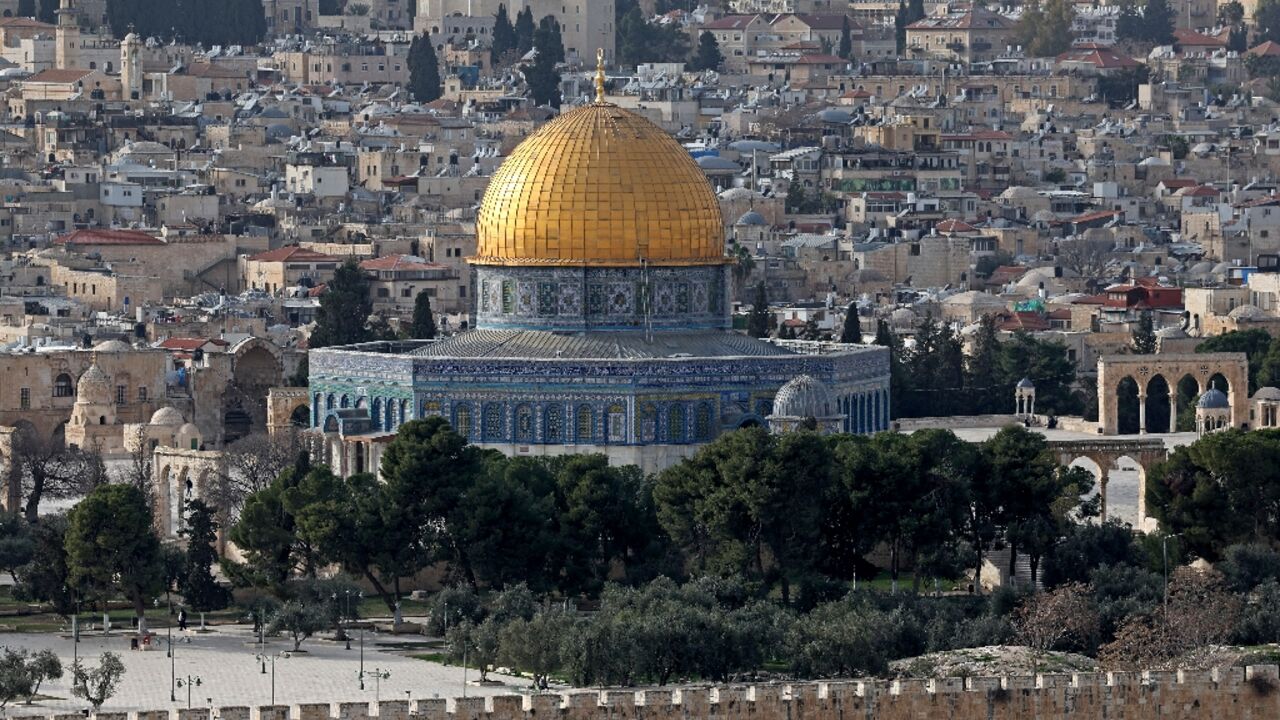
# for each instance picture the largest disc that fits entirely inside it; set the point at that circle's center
(1228, 694)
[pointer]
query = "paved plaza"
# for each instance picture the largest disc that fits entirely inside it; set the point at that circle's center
(225, 661)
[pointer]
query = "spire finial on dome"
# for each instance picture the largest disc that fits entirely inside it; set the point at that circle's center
(599, 75)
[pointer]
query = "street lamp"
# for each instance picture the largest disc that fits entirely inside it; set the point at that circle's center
(378, 675)
(188, 682)
(272, 657)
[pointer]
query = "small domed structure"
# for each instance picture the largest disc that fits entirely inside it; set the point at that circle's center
(1246, 313)
(168, 417)
(112, 346)
(188, 437)
(94, 387)
(1024, 398)
(1213, 411)
(1266, 407)
(805, 402)
(1214, 399)
(903, 318)
(751, 217)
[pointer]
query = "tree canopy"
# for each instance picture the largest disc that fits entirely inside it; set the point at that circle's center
(424, 70)
(345, 306)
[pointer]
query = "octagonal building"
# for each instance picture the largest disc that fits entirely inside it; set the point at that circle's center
(602, 319)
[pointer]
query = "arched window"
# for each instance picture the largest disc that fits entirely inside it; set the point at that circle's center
(553, 425)
(524, 424)
(647, 423)
(586, 424)
(404, 411)
(328, 402)
(462, 420)
(616, 429)
(675, 423)
(702, 422)
(345, 402)
(64, 386)
(493, 422)
(376, 415)
(388, 415)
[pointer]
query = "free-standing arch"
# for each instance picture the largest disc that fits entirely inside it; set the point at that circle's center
(1106, 454)
(1142, 369)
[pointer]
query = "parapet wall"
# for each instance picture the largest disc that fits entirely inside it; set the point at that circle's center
(1227, 694)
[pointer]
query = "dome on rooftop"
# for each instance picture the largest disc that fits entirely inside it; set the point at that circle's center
(599, 186)
(167, 416)
(751, 217)
(804, 396)
(1213, 399)
(1026, 384)
(112, 346)
(94, 387)
(1267, 393)
(1246, 312)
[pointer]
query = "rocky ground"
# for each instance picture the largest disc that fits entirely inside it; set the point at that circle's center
(988, 661)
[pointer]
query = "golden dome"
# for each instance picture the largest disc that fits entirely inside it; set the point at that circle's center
(599, 186)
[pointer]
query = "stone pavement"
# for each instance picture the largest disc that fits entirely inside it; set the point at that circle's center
(230, 675)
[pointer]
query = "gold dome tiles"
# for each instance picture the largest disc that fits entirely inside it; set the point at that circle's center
(600, 186)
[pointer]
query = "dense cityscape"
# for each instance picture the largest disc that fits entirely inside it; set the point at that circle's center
(598, 359)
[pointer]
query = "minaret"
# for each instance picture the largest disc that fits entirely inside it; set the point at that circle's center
(131, 66)
(68, 36)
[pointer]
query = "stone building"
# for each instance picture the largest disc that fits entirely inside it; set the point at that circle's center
(602, 319)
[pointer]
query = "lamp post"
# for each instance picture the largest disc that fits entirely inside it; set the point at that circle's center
(378, 674)
(188, 682)
(272, 657)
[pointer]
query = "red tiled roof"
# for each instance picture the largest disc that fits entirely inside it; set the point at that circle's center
(1025, 321)
(58, 76)
(955, 226)
(1269, 48)
(25, 22)
(1178, 183)
(730, 22)
(292, 253)
(108, 237)
(1197, 39)
(1198, 191)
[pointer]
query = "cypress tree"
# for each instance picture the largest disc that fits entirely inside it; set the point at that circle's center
(27, 8)
(758, 320)
(424, 320)
(709, 56)
(504, 35)
(424, 70)
(524, 31)
(852, 331)
(1157, 22)
(344, 308)
(846, 39)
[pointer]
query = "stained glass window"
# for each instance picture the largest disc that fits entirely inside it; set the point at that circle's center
(524, 424)
(553, 428)
(462, 420)
(675, 423)
(493, 422)
(702, 422)
(586, 424)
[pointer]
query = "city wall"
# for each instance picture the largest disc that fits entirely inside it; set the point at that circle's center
(1226, 694)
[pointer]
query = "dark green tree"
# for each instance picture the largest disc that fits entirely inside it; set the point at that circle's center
(1157, 22)
(846, 38)
(524, 30)
(46, 578)
(266, 532)
(111, 547)
(343, 316)
(424, 70)
(1129, 21)
(504, 36)
(852, 330)
(27, 8)
(758, 319)
(709, 56)
(1144, 335)
(900, 23)
(199, 588)
(1256, 344)
(542, 77)
(1266, 21)
(424, 319)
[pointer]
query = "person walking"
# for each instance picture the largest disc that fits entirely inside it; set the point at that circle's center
(182, 619)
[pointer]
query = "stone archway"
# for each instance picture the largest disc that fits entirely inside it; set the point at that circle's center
(283, 404)
(172, 469)
(1143, 369)
(1106, 454)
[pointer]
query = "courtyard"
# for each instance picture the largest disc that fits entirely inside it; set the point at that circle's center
(226, 663)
